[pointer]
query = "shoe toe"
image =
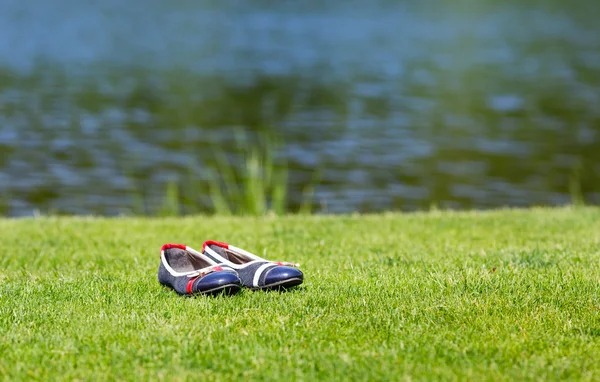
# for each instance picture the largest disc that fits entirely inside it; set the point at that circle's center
(217, 280)
(282, 275)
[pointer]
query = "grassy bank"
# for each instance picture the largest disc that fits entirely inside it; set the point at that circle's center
(495, 295)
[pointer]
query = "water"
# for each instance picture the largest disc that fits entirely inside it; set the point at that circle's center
(401, 107)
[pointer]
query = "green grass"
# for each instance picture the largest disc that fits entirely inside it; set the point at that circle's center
(499, 295)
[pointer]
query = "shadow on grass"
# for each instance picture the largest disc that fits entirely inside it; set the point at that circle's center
(281, 290)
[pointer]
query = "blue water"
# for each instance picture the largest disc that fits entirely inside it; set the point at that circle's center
(473, 105)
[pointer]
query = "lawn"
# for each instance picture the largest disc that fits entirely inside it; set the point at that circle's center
(507, 294)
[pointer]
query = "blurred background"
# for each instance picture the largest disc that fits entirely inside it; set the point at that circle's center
(251, 107)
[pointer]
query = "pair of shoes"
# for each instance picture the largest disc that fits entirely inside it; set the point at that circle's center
(222, 268)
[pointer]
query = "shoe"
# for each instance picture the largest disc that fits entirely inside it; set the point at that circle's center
(190, 273)
(254, 271)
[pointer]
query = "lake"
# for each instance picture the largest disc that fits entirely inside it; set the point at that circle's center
(378, 105)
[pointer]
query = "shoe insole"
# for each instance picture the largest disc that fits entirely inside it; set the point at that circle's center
(183, 261)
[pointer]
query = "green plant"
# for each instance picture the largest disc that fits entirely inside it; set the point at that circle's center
(260, 185)
(308, 193)
(4, 204)
(170, 205)
(577, 198)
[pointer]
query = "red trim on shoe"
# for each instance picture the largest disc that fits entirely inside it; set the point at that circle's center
(169, 246)
(217, 243)
(190, 284)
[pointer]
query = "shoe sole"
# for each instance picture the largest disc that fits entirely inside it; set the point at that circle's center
(285, 284)
(228, 290)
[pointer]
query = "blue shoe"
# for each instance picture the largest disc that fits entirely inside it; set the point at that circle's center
(254, 271)
(190, 273)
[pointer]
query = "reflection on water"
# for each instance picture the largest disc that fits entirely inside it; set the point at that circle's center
(398, 107)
